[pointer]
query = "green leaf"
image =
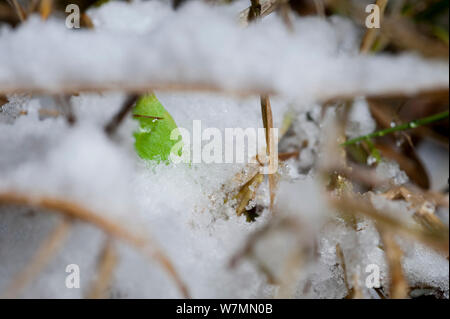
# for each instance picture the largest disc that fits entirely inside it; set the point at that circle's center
(152, 139)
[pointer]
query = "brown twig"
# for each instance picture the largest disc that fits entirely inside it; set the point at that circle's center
(43, 256)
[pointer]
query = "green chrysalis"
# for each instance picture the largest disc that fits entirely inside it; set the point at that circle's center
(152, 139)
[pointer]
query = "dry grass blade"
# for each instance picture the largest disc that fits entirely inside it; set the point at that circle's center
(267, 117)
(45, 8)
(354, 292)
(72, 87)
(398, 287)
(66, 108)
(105, 270)
(340, 257)
(18, 9)
(247, 193)
(360, 205)
(114, 229)
(42, 257)
(371, 34)
(254, 10)
(8, 14)
(266, 7)
(33, 6)
(293, 262)
(3, 100)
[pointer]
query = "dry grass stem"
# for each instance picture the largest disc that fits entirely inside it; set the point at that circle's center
(112, 126)
(267, 117)
(18, 9)
(114, 229)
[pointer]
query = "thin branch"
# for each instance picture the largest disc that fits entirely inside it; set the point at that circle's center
(44, 254)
